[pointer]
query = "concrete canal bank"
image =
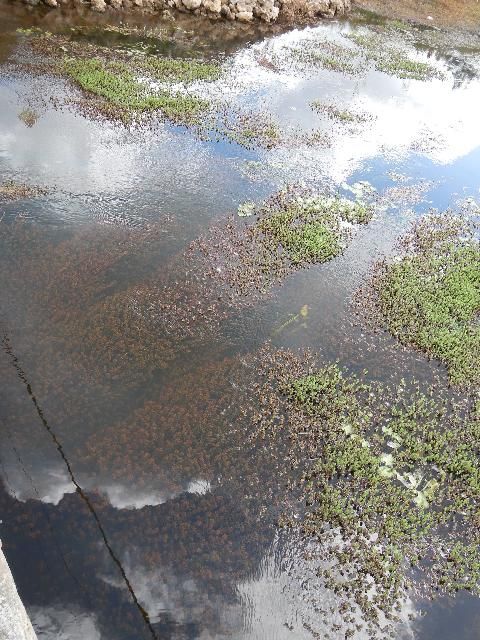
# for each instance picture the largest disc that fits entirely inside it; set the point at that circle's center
(14, 621)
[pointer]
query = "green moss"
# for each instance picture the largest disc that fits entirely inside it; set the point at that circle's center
(117, 85)
(432, 299)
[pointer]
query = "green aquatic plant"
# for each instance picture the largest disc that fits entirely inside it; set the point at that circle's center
(309, 229)
(431, 298)
(398, 64)
(177, 70)
(293, 319)
(250, 130)
(390, 477)
(291, 230)
(390, 58)
(118, 86)
(324, 55)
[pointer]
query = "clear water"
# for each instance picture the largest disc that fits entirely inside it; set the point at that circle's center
(126, 511)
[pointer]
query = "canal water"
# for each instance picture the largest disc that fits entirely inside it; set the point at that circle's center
(132, 502)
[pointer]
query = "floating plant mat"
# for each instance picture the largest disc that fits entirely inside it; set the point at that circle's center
(134, 88)
(292, 230)
(390, 483)
(396, 48)
(430, 296)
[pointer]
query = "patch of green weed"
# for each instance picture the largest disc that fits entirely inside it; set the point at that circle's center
(309, 230)
(117, 85)
(432, 300)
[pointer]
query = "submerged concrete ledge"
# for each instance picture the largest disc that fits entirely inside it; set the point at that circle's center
(14, 621)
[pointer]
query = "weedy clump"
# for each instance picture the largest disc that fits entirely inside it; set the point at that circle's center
(398, 64)
(333, 112)
(126, 95)
(375, 46)
(11, 190)
(391, 59)
(29, 117)
(311, 229)
(390, 479)
(430, 298)
(289, 231)
(249, 129)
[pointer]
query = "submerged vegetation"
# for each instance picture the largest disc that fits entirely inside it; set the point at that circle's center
(289, 231)
(430, 298)
(356, 51)
(12, 190)
(393, 494)
(381, 483)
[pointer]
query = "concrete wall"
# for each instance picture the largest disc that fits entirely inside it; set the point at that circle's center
(14, 621)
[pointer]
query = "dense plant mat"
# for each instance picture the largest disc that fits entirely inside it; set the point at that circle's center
(389, 477)
(138, 88)
(430, 297)
(291, 230)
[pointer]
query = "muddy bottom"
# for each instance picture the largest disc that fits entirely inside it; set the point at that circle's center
(133, 502)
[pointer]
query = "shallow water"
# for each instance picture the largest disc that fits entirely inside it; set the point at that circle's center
(130, 507)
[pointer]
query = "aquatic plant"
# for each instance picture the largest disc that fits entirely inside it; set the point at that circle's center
(430, 298)
(391, 58)
(177, 70)
(11, 190)
(310, 229)
(114, 82)
(291, 230)
(339, 115)
(248, 129)
(28, 117)
(390, 478)
(376, 46)
(323, 54)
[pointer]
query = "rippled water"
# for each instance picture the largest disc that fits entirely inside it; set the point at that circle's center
(130, 508)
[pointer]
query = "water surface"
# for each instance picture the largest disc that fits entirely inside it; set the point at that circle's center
(129, 510)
